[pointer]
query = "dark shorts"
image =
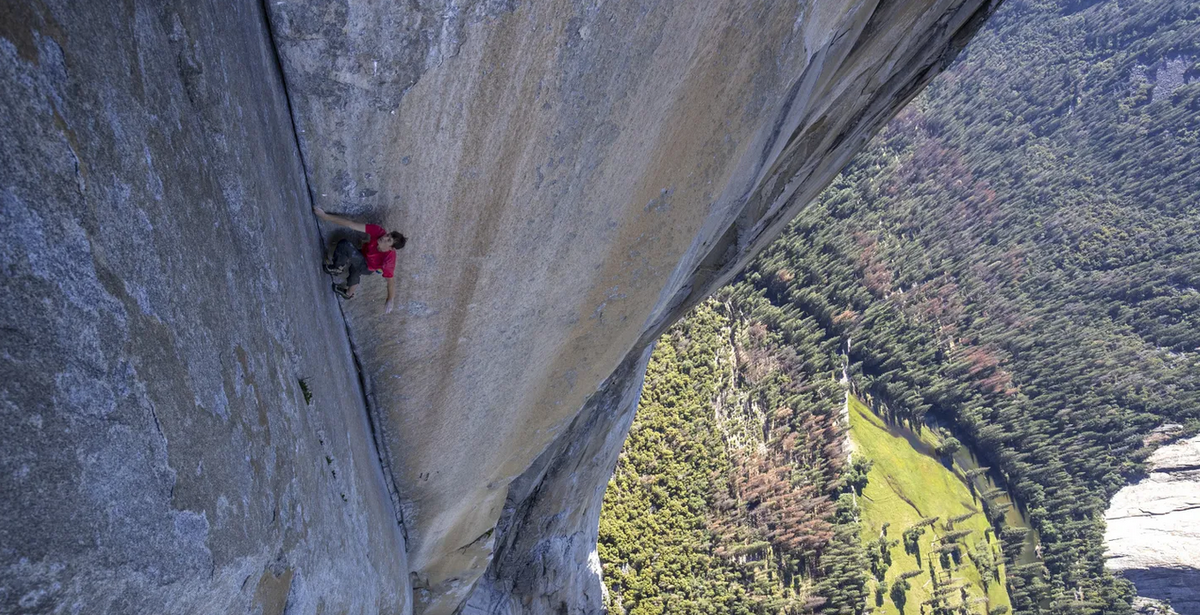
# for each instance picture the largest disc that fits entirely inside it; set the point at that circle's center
(348, 256)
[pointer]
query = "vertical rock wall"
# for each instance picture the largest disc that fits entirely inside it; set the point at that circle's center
(572, 176)
(545, 559)
(162, 301)
(184, 429)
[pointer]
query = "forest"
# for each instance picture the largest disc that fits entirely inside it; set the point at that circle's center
(1015, 256)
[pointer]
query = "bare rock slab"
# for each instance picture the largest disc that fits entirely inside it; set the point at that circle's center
(1153, 535)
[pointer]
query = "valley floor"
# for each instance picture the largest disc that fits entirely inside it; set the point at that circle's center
(906, 485)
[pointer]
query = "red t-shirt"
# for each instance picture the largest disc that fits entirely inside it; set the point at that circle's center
(377, 260)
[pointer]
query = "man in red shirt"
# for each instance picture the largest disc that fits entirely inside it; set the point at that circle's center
(377, 254)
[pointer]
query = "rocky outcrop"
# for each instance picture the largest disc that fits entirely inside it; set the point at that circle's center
(162, 306)
(572, 177)
(1153, 534)
(1150, 606)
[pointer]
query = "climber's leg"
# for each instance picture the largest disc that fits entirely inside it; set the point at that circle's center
(340, 256)
(356, 265)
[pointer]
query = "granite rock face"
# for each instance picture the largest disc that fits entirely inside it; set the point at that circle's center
(162, 302)
(572, 177)
(1153, 534)
(185, 424)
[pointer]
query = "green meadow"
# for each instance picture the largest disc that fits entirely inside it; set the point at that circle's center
(908, 484)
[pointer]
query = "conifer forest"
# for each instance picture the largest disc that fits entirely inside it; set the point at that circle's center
(920, 399)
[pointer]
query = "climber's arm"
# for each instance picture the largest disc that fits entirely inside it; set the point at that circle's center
(351, 224)
(387, 306)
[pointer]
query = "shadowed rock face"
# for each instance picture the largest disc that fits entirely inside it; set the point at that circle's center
(572, 177)
(1153, 533)
(159, 276)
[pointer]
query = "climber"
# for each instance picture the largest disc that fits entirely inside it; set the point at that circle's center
(378, 253)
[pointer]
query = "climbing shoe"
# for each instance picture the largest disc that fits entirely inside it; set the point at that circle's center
(332, 270)
(341, 290)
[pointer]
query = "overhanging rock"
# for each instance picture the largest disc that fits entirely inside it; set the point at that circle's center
(572, 177)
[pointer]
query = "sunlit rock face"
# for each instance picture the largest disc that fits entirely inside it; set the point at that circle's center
(1153, 533)
(160, 302)
(572, 177)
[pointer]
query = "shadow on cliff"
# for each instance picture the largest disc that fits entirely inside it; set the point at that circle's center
(1179, 586)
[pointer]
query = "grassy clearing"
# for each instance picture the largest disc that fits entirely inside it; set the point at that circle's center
(906, 485)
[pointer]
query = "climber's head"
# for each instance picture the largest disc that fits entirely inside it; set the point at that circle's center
(392, 240)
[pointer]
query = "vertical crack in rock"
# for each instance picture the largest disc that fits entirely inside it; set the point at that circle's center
(188, 420)
(377, 429)
(287, 96)
(377, 435)
(493, 131)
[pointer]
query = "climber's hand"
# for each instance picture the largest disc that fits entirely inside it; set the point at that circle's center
(320, 212)
(387, 306)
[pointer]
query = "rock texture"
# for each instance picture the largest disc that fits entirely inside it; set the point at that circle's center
(572, 177)
(1149, 606)
(159, 272)
(1153, 534)
(545, 559)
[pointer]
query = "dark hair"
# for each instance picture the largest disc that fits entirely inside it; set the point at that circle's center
(398, 240)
